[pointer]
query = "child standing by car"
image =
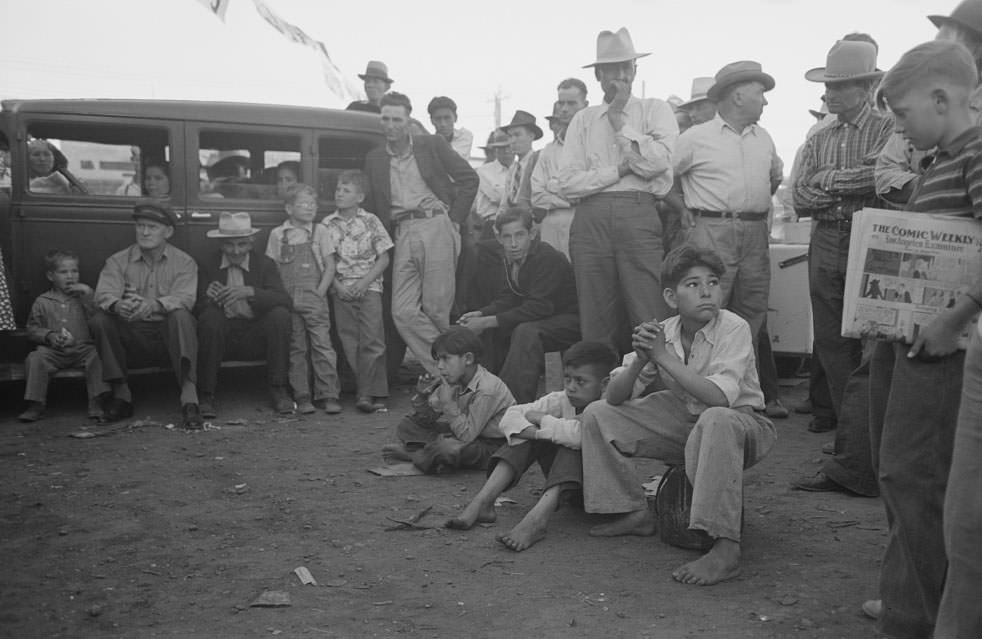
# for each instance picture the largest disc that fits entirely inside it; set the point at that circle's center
(304, 254)
(58, 324)
(361, 247)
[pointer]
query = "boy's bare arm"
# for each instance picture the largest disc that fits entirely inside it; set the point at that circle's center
(621, 386)
(705, 391)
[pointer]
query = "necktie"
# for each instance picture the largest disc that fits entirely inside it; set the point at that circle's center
(515, 183)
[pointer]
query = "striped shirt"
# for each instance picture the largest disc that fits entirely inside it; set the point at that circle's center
(953, 183)
(845, 153)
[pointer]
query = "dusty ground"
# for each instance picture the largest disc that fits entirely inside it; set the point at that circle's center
(150, 532)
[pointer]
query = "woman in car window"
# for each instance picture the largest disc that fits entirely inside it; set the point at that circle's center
(156, 179)
(43, 161)
(287, 174)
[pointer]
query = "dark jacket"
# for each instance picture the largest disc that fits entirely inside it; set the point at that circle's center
(263, 275)
(447, 174)
(545, 288)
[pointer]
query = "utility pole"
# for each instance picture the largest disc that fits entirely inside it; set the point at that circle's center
(497, 99)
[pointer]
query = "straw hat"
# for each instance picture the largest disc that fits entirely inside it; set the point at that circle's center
(233, 225)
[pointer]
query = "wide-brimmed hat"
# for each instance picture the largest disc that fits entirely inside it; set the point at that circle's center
(615, 47)
(376, 69)
(496, 140)
(555, 112)
(737, 73)
(524, 118)
(232, 225)
(848, 60)
(968, 14)
(155, 210)
(700, 90)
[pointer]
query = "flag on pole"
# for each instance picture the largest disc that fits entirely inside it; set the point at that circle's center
(218, 7)
(332, 74)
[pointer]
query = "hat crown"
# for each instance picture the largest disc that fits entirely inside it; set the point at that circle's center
(850, 58)
(968, 14)
(233, 224)
(700, 87)
(522, 118)
(376, 69)
(615, 46)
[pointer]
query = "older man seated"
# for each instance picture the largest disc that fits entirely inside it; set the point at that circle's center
(244, 309)
(145, 293)
(535, 311)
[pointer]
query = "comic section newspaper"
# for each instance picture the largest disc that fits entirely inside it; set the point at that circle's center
(906, 268)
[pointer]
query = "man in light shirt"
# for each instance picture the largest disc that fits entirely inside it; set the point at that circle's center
(617, 163)
(554, 228)
(443, 116)
(494, 175)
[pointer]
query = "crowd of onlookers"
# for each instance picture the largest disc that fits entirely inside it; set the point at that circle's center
(640, 229)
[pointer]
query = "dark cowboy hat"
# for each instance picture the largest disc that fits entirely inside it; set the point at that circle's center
(737, 73)
(968, 14)
(847, 61)
(524, 118)
(376, 69)
(497, 139)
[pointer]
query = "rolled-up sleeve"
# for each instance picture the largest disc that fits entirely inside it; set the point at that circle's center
(732, 357)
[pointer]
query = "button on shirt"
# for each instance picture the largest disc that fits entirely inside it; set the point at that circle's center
(235, 276)
(408, 189)
(846, 152)
(358, 242)
(171, 280)
(724, 170)
(593, 150)
(53, 311)
(722, 351)
(477, 408)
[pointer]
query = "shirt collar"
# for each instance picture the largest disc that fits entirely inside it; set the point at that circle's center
(56, 295)
(959, 143)
(723, 124)
(604, 107)
(392, 153)
(226, 264)
(136, 254)
(708, 331)
(290, 225)
(475, 381)
(864, 115)
(337, 216)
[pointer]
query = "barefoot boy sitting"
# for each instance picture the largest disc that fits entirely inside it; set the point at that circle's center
(705, 420)
(463, 430)
(547, 431)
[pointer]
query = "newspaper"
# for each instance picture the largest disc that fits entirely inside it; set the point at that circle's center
(904, 269)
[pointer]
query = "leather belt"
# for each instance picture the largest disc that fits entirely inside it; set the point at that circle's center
(417, 215)
(641, 197)
(749, 217)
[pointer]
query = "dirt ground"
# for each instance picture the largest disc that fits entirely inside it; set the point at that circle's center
(152, 532)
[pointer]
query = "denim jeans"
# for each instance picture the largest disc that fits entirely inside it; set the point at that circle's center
(913, 412)
(362, 335)
(960, 614)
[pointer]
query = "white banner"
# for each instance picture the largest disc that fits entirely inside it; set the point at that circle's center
(332, 75)
(218, 7)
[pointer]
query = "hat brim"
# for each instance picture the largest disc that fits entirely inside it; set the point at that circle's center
(536, 131)
(365, 76)
(616, 60)
(818, 75)
(689, 103)
(145, 215)
(817, 114)
(221, 235)
(738, 78)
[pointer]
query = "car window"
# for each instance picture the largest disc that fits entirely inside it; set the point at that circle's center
(337, 153)
(242, 164)
(4, 164)
(66, 158)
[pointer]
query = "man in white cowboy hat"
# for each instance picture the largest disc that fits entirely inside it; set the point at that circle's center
(699, 107)
(617, 163)
(546, 192)
(835, 179)
(377, 83)
(522, 132)
(728, 169)
(244, 309)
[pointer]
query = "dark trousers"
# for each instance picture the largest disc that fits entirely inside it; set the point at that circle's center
(818, 390)
(913, 414)
(265, 336)
(852, 464)
(121, 344)
(766, 366)
(559, 464)
(434, 448)
(522, 352)
(615, 241)
(840, 356)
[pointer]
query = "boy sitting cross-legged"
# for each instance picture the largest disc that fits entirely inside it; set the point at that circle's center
(463, 428)
(548, 431)
(705, 420)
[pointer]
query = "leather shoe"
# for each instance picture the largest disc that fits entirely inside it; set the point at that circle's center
(367, 405)
(282, 403)
(818, 483)
(821, 425)
(776, 410)
(828, 448)
(206, 405)
(118, 409)
(192, 417)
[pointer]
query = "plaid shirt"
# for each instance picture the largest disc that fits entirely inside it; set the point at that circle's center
(845, 153)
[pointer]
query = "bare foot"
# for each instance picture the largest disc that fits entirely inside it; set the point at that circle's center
(722, 562)
(476, 512)
(395, 453)
(640, 522)
(525, 534)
